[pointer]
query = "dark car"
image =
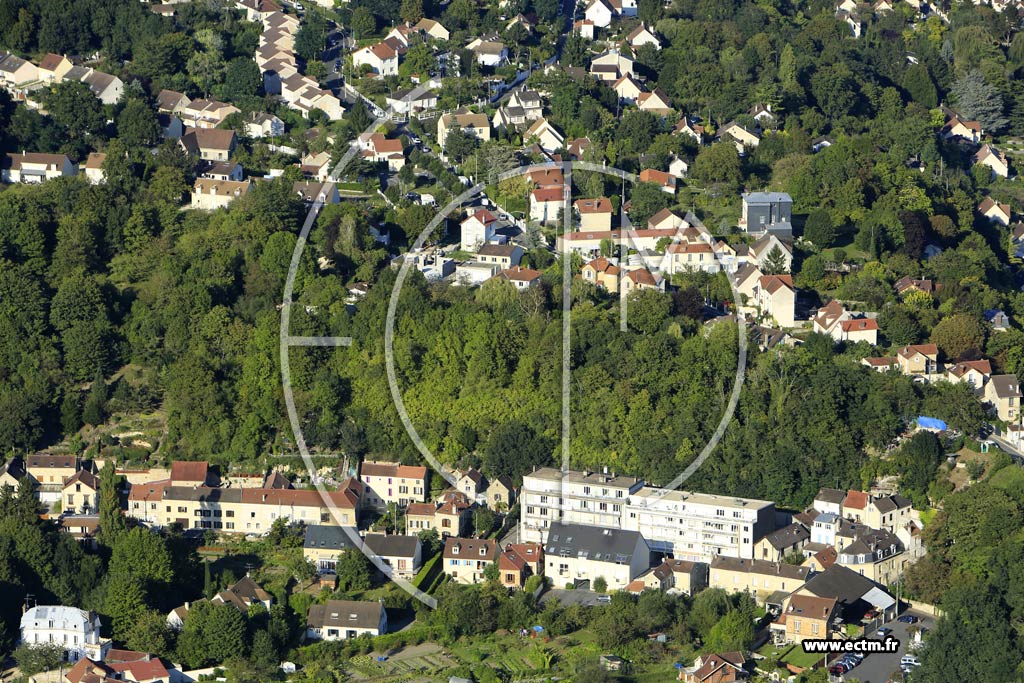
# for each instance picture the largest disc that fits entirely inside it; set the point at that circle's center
(838, 669)
(908, 619)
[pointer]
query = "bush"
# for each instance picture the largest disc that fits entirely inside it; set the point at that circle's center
(600, 585)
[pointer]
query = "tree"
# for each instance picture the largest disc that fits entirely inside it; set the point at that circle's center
(137, 125)
(34, 659)
(899, 326)
(647, 310)
(819, 230)
(264, 655)
(411, 11)
(515, 449)
(94, 411)
(354, 571)
(647, 199)
(459, 145)
(958, 334)
(483, 521)
(919, 459)
(915, 233)
(125, 603)
(719, 163)
(600, 585)
(979, 101)
(112, 522)
(363, 22)
(149, 633)
(72, 106)
(919, 85)
(774, 262)
(142, 554)
(735, 631)
(242, 79)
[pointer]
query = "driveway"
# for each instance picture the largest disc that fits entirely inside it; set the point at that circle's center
(879, 667)
(580, 597)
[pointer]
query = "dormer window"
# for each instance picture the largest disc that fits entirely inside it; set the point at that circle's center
(455, 550)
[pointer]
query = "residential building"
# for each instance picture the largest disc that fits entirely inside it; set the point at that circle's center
(490, 53)
(918, 359)
(477, 125)
(322, 545)
(500, 493)
(317, 192)
(599, 14)
(775, 297)
(994, 159)
(518, 562)
(1003, 393)
(592, 498)
(77, 630)
(191, 473)
(914, 284)
(503, 255)
(698, 526)
(521, 278)
(106, 87)
(782, 543)
(628, 89)
(594, 214)
(744, 139)
(407, 100)
(93, 168)
(957, 127)
(760, 578)
(690, 257)
(842, 325)
(998, 319)
(344, 619)
(641, 278)
(51, 470)
(881, 363)
(432, 28)
(726, 667)
(477, 229)
(243, 594)
(994, 211)
(641, 36)
(763, 211)
(403, 554)
(383, 150)
(546, 204)
(390, 482)
(15, 72)
(209, 194)
(972, 372)
(12, 472)
(611, 66)
(665, 181)
(81, 493)
(381, 59)
(804, 617)
(546, 135)
(855, 595)
(204, 113)
(656, 101)
(241, 510)
(53, 67)
(876, 554)
(36, 167)
(171, 102)
(688, 127)
(263, 125)
(603, 273)
(209, 144)
(575, 553)
(465, 559)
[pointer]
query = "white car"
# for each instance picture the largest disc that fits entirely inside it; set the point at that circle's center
(909, 660)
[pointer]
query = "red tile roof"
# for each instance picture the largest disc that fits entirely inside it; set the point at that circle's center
(183, 472)
(598, 205)
(859, 325)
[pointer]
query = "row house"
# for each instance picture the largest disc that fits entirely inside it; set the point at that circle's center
(673, 576)
(576, 553)
(466, 559)
(519, 561)
(763, 580)
(36, 167)
(450, 517)
(242, 510)
(389, 482)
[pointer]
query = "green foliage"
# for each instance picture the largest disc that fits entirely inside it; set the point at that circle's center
(33, 659)
(354, 571)
(599, 585)
(819, 230)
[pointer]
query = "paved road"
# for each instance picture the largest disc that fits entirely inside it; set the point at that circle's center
(878, 668)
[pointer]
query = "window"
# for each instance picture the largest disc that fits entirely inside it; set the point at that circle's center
(229, 513)
(168, 508)
(182, 508)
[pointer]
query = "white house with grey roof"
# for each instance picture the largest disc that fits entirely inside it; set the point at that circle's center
(594, 498)
(344, 619)
(77, 630)
(575, 553)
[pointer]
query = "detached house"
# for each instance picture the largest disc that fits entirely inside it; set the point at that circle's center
(958, 128)
(518, 562)
(776, 297)
(16, 72)
(603, 273)
(54, 67)
(547, 136)
(972, 372)
(477, 125)
(490, 53)
(380, 57)
(804, 617)
(656, 102)
(599, 13)
(465, 559)
(209, 194)
(665, 181)
(1004, 394)
(641, 36)
(744, 139)
(344, 619)
(35, 167)
(209, 144)
(595, 214)
(545, 204)
(995, 211)
(994, 159)
(726, 667)
(918, 359)
(432, 28)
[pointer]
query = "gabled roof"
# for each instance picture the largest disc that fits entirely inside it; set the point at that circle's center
(597, 205)
(392, 546)
(345, 614)
(603, 265)
(788, 536)
(773, 283)
(859, 325)
(392, 469)
(41, 460)
(912, 350)
(183, 472)
(983, 366)
(761, 567)
(856, 500)
(485, 548)
(596, 544)
(987, 204)
(520, 274)
(1005, 386)
(828, 495)
(811, 607)
(85, 478)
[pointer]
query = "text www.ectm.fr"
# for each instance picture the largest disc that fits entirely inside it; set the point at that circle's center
(865, 645)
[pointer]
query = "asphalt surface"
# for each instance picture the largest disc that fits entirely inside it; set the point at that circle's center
(879, 667)
(586, 598)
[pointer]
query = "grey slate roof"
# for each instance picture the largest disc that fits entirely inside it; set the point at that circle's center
(392, 546)
(787, 536)
(345, 614)
(591, 542)
(326, 538)
(831, 495)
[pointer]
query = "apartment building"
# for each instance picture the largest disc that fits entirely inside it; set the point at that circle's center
(250, 511)
(698, 526)
(390, 482)
(590, 498)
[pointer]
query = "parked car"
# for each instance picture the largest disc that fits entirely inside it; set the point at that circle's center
(883, 632)
(909, 660)
(604, 598)
(908, 619)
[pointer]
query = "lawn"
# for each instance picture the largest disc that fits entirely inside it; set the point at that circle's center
(797, 657)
